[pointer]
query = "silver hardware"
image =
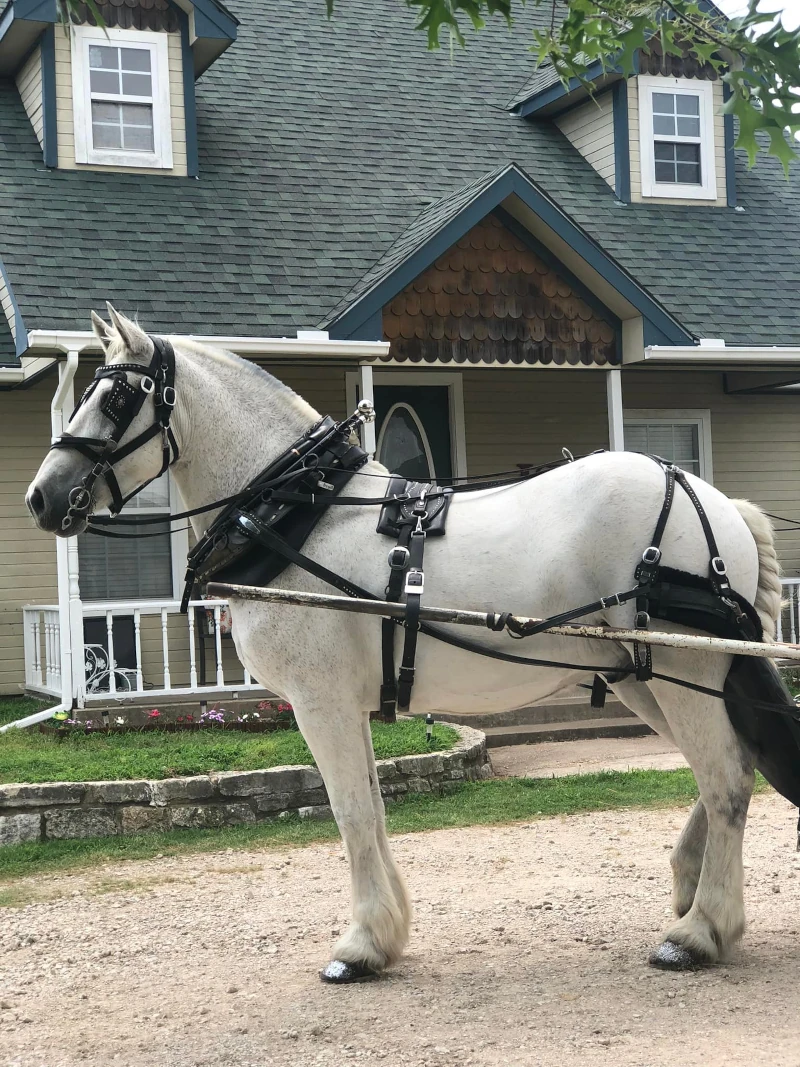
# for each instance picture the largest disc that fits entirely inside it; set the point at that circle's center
(415, 582)
(147, 384)
(718, 566)
(651, 555)
(568, 456)
(399, 557)
(325, 485)
(169, 396)
(366, 409)
(612, 600)
(247, 524)
(79, 498)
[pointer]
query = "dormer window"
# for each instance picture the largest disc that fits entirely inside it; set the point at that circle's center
(677, 138)
(121, 98)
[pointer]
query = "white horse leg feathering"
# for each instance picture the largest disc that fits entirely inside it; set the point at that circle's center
(557, 541)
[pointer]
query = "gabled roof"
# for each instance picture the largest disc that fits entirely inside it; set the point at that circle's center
(324, 143)
(445, 222)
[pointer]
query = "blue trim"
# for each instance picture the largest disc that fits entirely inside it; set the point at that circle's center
(730, 155)
(210, 21)
(622, 148)
(36, 10)
(49, 109)
(511, 182)
(21, 339)
(189, 102)
(548, 96)
(6, 20)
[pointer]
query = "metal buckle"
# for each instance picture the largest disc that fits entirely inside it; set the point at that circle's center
(718, 566)
(168, 396)
(79, 498)
(399, 557)
(641, 621)
(613, 600)
(651, 555)
(147, 384)
(415, 582)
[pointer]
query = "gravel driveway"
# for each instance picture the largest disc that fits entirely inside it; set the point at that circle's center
(528, 948)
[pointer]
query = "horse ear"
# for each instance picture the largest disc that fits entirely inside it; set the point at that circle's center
(136, 341)
(102, 331)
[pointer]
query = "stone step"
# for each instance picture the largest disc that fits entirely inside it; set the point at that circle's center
(535, 733)
(555, 712)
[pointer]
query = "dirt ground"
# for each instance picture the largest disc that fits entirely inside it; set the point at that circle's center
(528, 948)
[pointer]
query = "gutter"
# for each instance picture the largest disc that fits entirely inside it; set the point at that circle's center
(712, 354)
(309, 344)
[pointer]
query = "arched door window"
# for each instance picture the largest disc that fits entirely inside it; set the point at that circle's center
(403, 445)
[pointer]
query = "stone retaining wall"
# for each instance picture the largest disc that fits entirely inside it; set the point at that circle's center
(59, 810)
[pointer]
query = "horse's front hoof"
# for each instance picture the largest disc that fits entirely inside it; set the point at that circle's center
(671, 957)
(338, 972)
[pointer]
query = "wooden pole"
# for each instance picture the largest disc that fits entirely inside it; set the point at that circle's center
(697, 642)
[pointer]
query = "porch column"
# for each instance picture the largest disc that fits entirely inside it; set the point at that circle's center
(616, 435)
(367, 392)
(70, 609)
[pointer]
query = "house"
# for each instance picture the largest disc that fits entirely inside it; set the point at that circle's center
(506, 266)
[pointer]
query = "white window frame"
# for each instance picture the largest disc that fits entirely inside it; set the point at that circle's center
(699, 417)
(455, 389)
(179, 542)
(85, 152)
(704, 90)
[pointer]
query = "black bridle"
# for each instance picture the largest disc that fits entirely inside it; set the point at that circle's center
(121, 407)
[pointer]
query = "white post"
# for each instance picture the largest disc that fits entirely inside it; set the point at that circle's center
(367, 393)
(616, 434)
(69, 603)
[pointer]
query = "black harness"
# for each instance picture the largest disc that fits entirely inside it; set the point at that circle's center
(121, 406)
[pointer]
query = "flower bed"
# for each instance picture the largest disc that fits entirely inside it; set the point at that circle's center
(270, 715)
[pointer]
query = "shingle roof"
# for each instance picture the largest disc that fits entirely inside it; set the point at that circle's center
(7, 349)
(320, 144)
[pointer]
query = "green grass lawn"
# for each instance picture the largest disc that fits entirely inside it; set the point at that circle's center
(493, 802)
(13, 708)
(30, 756)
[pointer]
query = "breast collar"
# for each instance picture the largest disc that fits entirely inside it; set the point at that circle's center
(121, 406)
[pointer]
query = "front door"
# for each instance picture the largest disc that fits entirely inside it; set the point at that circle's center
(412, 427)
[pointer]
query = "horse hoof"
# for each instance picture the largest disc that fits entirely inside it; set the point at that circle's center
(671, 957)
(338, 972)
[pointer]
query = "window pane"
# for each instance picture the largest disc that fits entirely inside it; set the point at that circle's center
(688, 127)
(687, 153)
(126, 570)
(136, 85)
(402, 447)
(102, 56)
(106, 136)
(105, 112)
(676, 442)
(104, 81)
(137, 127)
(664, 125)
(136, 59)
(154, 495)
(688, 105)
(688, 174)
(664, 103)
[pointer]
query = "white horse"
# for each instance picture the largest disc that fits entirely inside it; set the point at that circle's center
(538, 548)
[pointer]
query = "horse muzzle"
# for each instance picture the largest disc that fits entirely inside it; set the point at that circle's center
(58, 511)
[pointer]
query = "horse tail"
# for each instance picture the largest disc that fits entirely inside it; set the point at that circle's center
(768, 595)
(773, 738)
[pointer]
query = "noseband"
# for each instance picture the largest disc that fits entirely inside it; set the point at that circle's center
(121, 406)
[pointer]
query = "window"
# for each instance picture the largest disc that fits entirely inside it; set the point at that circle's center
(121, 98)
(677, 138)
(119, 569)
(403, 445)
(681, 437)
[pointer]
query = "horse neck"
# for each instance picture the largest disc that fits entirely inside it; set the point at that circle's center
(230, 424)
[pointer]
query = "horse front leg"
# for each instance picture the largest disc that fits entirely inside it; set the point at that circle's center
(381, 911)
(713, 919)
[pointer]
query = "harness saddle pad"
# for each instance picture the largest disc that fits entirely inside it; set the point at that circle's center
(399, 512)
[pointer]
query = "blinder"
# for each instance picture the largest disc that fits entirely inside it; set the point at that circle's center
(120, 407)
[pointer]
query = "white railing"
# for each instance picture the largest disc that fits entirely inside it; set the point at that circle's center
(42, 642)
(166, 654)
(789, 622)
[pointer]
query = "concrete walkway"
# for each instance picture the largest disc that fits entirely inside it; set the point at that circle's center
(554, 759)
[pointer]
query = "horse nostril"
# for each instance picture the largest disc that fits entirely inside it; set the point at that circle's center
(36, 503)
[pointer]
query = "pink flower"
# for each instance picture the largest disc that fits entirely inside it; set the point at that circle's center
(154, 714)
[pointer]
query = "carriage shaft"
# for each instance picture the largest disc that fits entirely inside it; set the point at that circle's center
(384, 608)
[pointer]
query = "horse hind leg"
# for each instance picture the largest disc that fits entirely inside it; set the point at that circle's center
(686, 859)
(713, 919)
(379, 929)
